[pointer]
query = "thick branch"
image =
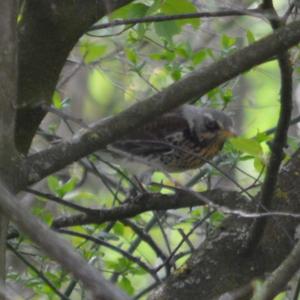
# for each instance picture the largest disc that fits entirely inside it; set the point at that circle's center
(49, 29)
(196, 84)
(220, 265)
(148, 202)
(279, 278)
(280, 139)
(57, 248)
(8, 87)
(8, 75)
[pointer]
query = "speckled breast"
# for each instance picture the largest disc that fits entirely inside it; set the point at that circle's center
(188, 155)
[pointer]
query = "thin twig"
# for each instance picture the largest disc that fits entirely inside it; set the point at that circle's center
(145, 237)
(38, 273)
(112, 247)
(136, 243)
(149, 19)
(60, 201)
(63, 115)
(183, 240)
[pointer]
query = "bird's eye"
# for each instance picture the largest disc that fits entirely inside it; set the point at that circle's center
(212, 125)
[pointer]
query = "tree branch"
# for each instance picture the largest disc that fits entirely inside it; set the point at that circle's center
(276, 282)
(149, 19)
(280, 139)
(117, 249)
(57, 248)
(196, 84)
(8, 97)
(37, 272)
(47, 34)
(148, 202)
(219, 265)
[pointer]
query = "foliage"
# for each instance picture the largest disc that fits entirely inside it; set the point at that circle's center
(122, 65)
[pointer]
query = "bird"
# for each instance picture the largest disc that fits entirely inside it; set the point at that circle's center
(177, 141)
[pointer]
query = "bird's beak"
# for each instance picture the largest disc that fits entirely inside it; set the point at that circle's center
(228, 133)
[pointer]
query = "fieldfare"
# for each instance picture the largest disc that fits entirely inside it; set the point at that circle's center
(176, 141)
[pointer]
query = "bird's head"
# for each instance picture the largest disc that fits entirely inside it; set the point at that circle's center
(215, 124)
(210, 124)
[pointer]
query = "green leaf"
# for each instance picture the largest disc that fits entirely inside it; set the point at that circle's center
(176, 74)
(197, 212)
(118, 229)
(281, 296)
(100, 86)
(262, 137)
(171, 7)
(164, 55)
(167, 30)
(183, 51)
(250, 37)
(67, 187)
(53, 183)
(227, 95)
(227, 41)
(59, 188)
(217, 218)
(134, 10)
(154, 188)
(258, 164)
(131, 55)
(120, 265)
(249, 146)
(126, 285)
(56, 100)
(199, 56)
(92, 51)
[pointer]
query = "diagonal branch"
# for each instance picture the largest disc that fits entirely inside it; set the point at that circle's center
(280, 277)
(196, 84)
(57, 248)
(48, 30)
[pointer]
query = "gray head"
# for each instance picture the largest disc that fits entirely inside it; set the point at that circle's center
(209, 122)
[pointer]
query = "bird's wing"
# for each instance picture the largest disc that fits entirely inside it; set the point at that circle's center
(152, 137)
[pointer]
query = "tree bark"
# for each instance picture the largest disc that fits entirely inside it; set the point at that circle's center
(222, 264)
(8, 87)
(49, 29)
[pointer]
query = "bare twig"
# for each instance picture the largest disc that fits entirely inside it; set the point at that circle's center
(149, 19)
(183, 240)
(124, 253)
(38, 273)
(145, 237)
(63, 115)
(135, 244)
(60, 201)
